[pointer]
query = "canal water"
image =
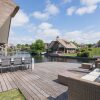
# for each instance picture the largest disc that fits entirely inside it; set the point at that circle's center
(42, 58)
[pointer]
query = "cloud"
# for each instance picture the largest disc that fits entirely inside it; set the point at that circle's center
(40, 15)
(17, 38)
(44, 30)
(20, 19)
(83, 36)
(86, 10)
(88, 7)
(90, 2)
(48, 32)
(45, 25)
(71, 10)
(50, 10)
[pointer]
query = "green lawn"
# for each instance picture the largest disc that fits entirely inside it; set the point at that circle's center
(14, 94)
(92, 52)
(74, 54)
(95, 52)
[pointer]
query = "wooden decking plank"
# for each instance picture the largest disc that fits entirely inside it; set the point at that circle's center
(38, 84)
(11, 81)
(27, 88)
(7, 82)
(55, 85)
(43, 85)
(3, 85)
(50, 82)
(49, 76)
(33, 83)
(31, 86)
(22, 89)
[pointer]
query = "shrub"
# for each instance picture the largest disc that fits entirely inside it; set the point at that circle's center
(79, 54)
(82, 50)
(83, 54)
(90, 49)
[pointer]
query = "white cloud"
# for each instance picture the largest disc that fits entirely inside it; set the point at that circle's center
(50, 10)
(71, 10)
(88, 7)
(20, 40)
(17, 38)
(45, 25)
(86, 10)
(45, 31)
(90, 2)
(40, 15)
(82, 36)
(20, 19)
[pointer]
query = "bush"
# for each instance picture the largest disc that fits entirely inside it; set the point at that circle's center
(90, 49)
(83, 54)
(79, 54)
(82, 50)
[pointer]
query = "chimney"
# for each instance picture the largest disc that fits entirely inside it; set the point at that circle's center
(57, 37)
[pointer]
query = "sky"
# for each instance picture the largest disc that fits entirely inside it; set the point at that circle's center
(73, 20)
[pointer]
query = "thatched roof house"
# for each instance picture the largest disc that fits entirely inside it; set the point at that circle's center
(61, 45)
(8, 9)
(98, 44)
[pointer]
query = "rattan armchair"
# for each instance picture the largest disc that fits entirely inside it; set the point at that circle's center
(79, 89)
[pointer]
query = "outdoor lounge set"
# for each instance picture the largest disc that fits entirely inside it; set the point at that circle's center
(82, 86)
(16, 62)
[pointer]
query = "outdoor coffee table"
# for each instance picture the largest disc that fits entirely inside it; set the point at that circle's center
(87, 65)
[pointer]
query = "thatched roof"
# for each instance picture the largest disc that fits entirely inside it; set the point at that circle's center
(97, 44)
(7, 8)
(51, 44)
(64, 43)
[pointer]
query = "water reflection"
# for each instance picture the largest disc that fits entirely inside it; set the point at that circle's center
(42, 58)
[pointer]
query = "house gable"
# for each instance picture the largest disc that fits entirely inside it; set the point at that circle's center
(8, 9)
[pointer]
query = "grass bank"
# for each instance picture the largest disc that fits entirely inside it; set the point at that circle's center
(13, 94)
(92, 52)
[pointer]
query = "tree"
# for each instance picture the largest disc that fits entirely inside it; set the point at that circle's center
(75, 43)
(38, 46)
(23, 47)
(89, 45)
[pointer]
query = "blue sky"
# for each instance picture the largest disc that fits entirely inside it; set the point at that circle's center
(73, 20)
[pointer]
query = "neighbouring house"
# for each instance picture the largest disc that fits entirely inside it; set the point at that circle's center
(97, 44)
(62, 46)
(8, 9)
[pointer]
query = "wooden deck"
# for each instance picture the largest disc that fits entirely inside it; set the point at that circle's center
(39, 84)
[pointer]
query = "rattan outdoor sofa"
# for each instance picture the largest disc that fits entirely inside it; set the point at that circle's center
(78, 88)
